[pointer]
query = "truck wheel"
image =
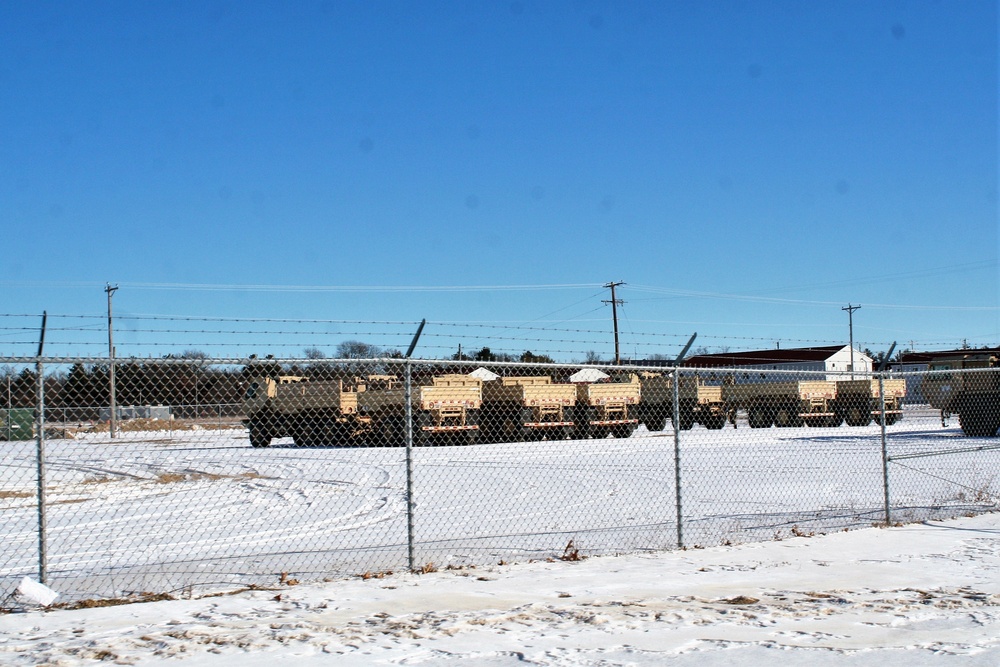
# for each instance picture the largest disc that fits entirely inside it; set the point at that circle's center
(656, 422)
(976, 421)
(528, 434)
(858, 415)
(259, 437)
(389, 432)
(584, 415)
(623, 430)
(714, 422)
(758, 417)
(785, 417)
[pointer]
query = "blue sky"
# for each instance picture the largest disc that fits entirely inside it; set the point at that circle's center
(746, 168)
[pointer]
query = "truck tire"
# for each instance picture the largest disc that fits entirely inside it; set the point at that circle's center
(623, 430)
(977, 421)
(259, 435)
(583, 416)
(389, 432)
(714, 422)
(656, 421)
(786, 417)
(687, 418)
(858, 413)
(891, 419)
(758, 416)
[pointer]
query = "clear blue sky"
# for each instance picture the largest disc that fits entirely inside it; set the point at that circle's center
(746, 168)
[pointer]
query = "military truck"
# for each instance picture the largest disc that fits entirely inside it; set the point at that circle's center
(604, 408)
(858, 401)
(445, 409)
(699, 402)
(312, 412)
(785, 403)
(526, 408)
(966, 383)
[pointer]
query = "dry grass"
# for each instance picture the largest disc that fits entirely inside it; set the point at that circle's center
(175, 477)
(114, 602)
(571, 553)
(130, 425)
(15, 494)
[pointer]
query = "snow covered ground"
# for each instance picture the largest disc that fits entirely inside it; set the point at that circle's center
(192, 512)
(917, 594)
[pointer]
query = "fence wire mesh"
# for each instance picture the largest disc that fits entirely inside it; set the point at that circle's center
(206, 474)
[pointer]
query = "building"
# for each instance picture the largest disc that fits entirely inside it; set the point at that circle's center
(834, 360)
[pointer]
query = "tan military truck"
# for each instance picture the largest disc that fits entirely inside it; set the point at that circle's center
(523, 408)
(858, 401)
(604, 408)
(699, 402)
(785, 403)
(312, 412)
(445, 410)
(966, 383)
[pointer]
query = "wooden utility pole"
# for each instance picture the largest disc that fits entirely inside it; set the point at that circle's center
(614, 315)
(850, 324)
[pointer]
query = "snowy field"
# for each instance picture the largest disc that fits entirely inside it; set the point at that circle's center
(919, 594)
(191, 512)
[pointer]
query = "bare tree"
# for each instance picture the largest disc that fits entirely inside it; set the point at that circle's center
(355, 349)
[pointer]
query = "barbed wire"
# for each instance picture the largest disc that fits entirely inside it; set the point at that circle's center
(506, 337)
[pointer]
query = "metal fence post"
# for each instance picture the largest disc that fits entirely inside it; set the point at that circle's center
(885, 449)
(40, 454)
(677, 457)
(408, 429)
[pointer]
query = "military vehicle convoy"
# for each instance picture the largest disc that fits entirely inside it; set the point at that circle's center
(816, 402)
(966, 383)
(464, 409)
(369, 410)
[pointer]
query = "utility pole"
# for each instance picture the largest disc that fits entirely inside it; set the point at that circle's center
(850, 323)
(614, 315)
(111, 366)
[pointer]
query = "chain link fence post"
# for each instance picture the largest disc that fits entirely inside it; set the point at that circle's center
(677, 456)
(885, 449)
(408, 426)
(40, 454)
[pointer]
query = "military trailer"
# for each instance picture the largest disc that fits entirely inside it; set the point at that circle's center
(699, 402)
(604, 408)
(785, 403)
(445, 411)
(966, 383)
(312, 412)
(858, 401)
(527, 408)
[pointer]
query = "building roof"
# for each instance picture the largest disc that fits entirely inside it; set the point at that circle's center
(927, 357)
(763, 357)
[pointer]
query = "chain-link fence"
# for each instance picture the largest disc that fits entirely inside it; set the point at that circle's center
(188, 475)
